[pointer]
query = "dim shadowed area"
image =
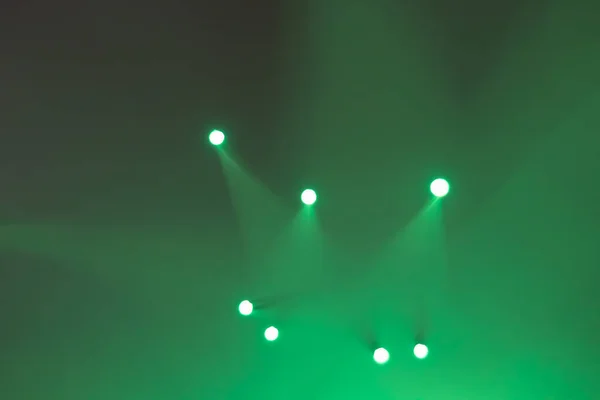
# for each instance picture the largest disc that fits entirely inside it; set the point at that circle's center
(126, 241)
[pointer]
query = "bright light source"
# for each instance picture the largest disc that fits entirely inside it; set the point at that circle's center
(308, 197)
(246, 307)
(271, 333)
(421, 351)
(381, 356)
(216, 137)
(439, 187)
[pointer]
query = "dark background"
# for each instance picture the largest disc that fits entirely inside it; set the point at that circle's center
(125, 245)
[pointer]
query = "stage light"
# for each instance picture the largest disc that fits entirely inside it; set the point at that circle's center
(420, 351)
(309, 197)
(246, 307)
(271, 333)
(216, 138)
(381, 356)
(439, 187)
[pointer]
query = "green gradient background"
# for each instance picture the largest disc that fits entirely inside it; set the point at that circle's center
(127, 242)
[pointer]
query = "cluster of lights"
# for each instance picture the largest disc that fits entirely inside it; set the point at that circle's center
(439, 188)
(380, 355)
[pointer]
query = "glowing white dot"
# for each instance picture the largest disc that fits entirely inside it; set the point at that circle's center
(421, 351)
(271, 333)
(246, 307)
(216, 137)
(309, 197)
(381, 356)
(439, 187)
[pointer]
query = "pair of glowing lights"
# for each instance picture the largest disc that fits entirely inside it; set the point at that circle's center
(246, 308)
(439, 187)
(380, 355)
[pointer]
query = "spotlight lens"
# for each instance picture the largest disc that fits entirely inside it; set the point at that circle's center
(271, 333)
(421, 351)
(246, 307)
(308, 197)
(381, 356)
(216, 137)
(439, 187)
